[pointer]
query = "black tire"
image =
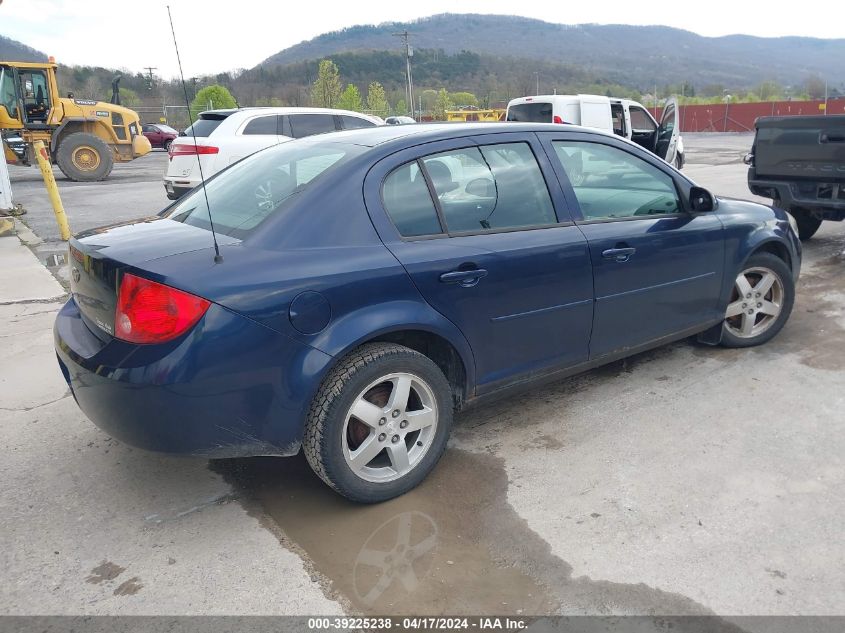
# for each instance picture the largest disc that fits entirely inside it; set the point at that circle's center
(323, 441)
(807, 224)
(166, 145)
(776, 265)
(84, 166)
(679, 161)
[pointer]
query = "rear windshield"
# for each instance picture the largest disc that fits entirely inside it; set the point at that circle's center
(203, 127)
(248, 192)
(531, 112)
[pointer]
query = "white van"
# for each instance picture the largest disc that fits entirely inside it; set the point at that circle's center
(620, 116)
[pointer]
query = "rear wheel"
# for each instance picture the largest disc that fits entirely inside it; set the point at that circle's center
(379, 423)
(84, 157)
(760, 303)
(807, 224)
(166, 145)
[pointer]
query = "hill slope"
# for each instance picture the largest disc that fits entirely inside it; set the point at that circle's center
(644, 55)
(13, 51)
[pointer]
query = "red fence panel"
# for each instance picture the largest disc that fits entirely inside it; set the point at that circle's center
(740, 117)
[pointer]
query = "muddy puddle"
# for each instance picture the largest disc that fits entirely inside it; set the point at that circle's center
(452, 546)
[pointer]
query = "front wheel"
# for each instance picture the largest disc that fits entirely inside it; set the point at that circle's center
(84, 157)
(379, 423)
(761, 301)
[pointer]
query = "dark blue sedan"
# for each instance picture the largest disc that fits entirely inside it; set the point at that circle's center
(371, 282)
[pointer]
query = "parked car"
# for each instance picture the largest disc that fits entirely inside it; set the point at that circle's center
(159, 135)
(370, 282)
(623, 117)
(799, 162)
(399, 120)
(224, 137)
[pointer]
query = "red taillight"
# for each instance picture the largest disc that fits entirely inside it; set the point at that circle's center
(190, 149)
(149, 312)
(557, 119)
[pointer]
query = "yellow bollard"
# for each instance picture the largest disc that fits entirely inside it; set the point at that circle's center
(52, 189)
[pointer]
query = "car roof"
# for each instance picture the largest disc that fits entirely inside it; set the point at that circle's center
(282, 110)
(429, 132)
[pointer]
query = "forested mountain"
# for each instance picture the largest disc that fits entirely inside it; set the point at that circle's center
(15, 51)
(638, 55)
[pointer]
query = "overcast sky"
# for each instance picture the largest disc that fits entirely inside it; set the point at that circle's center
(215, 35)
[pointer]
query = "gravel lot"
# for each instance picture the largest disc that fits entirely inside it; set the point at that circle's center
(688, 480)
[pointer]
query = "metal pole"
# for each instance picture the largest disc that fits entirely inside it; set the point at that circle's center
(52, 189)
(825, 97)
(5, 183)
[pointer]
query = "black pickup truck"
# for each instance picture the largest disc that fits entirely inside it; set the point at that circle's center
(799, 162)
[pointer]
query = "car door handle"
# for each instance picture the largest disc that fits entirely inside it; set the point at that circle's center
(466, 278)
(621, 255)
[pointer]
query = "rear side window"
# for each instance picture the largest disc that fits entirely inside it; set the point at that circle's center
(531, 112)
(261, 125)
(309, 124)
(203, 127)
(247, 193)
(354, 122)
(489, 188)
(408, 202)
(611, 184)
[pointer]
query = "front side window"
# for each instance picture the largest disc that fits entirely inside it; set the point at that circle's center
(641, 121)
(490, 188)
(611, 184)
(309, 124)
(262, 125)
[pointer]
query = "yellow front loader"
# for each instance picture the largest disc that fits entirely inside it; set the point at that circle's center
(84, 137)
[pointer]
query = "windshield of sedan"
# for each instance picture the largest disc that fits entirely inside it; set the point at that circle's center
(247, 193)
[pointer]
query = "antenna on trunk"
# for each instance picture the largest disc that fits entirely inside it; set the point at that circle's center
(217, 256)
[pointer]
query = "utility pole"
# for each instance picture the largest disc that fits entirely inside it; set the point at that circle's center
(150, 70)
(409, 52)
(537, 77)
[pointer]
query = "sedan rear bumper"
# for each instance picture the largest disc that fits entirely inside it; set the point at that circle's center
(217, 392)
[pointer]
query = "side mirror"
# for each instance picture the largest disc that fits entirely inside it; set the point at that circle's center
(748, 159)
(701, 200)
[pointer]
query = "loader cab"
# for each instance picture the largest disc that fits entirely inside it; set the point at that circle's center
(26, 96)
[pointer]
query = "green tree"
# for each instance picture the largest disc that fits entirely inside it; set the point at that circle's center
(401, 107)
(815, 87)
(325, 93)
(769, 90)
(441, 105)
(463, 98)
(214, 97)
(350, 99)
(376, 100)
(129, 98)
(269, 101)
(428, 97)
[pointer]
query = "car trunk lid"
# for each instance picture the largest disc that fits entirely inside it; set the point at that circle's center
(99, 257)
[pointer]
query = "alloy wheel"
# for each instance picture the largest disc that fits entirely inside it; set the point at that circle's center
(390, 427)
(756, 302)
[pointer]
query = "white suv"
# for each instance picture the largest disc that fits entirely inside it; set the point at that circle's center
(224, 137)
